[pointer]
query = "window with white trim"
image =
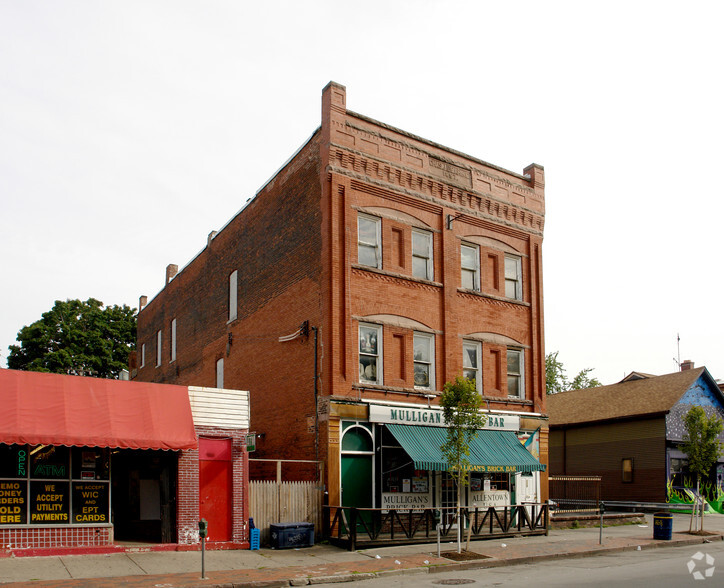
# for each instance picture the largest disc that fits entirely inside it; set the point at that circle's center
(422, 254)
(173, 340)
(370, 354)
(233, 295)
(158, 348)
(470, 267)
(513, 277)
(220, 373)
(472, 355)
(368, 241)
(424, 360)
(516, 380)
(143, 355)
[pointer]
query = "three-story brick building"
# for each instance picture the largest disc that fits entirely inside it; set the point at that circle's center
(371, 269)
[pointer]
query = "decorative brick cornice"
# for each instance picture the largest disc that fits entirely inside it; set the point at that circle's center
(391, 278)
(494, 301)
(375, 173)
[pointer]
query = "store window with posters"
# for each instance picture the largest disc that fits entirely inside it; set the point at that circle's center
(54, 485)
(402, 485)
(489, 489)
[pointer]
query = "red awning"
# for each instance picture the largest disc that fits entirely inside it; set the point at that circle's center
(54, 409)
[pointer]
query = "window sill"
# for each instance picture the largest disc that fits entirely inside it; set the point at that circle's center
(514, 400)
(508, 400)
(394, 390)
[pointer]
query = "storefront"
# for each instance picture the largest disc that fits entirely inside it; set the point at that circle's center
(86, 462)
(392, 459)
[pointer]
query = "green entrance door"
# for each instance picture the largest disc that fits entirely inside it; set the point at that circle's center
(357, 481)
(357, 468)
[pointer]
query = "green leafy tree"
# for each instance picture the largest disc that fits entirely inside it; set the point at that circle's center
(460, 404)
(77, 337)
(557, 381)
(701, 445)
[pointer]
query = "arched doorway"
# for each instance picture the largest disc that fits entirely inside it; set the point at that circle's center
(357, 467)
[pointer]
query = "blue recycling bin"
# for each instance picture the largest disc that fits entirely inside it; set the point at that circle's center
(289, 535)
(254, 539)
(663, 525)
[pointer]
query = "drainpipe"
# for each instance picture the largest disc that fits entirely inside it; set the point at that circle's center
(316, 394)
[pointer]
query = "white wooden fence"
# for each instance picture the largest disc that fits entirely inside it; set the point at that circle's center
(285, 502)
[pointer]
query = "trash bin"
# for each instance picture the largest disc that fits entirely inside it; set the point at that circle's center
(663, 525)
(288, 535)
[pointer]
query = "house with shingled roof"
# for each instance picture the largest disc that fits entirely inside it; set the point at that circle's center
(629, 433)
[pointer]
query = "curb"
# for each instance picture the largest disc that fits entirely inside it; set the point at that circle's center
(342, 578)
(497, 563)
(463, 566)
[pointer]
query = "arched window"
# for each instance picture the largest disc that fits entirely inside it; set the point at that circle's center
(357, 439)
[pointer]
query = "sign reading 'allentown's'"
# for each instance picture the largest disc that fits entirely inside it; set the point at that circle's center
(433, 417)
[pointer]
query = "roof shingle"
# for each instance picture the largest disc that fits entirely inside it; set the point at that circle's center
(641, 397)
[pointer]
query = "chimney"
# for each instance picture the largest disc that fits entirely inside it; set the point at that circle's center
(687, 364)
(171, 271)
(210, 238)
(537, 176)
(142, 301)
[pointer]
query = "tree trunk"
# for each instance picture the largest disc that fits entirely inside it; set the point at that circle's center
(470, 529)
(701, 499)
(460, 486)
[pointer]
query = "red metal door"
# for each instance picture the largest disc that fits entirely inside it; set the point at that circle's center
(215, 487)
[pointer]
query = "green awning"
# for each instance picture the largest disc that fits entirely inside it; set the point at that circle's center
(490, 451)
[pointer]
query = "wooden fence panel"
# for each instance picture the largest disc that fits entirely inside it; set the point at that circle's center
(285, 502)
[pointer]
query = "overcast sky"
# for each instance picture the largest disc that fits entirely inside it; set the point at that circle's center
(131, 129)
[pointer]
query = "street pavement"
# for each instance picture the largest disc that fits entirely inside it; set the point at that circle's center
(322, 564)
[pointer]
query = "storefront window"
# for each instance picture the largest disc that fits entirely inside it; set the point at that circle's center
(50, 462)
(397, 470)
(491, 481)
(489, 490)
(13, 461)
(91, 463)
(679, 470)
(402, 484)
(49, 502)
(50, 485)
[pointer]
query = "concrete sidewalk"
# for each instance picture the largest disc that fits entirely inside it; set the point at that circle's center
(325, 564)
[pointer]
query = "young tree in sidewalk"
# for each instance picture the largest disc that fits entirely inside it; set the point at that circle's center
(460, 404)
(701, 446)
(77, 337)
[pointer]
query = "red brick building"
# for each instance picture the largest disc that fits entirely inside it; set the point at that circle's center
(372, 268)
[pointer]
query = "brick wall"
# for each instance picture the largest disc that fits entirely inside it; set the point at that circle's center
(187, 515)
(56, 537)
(274, 246)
